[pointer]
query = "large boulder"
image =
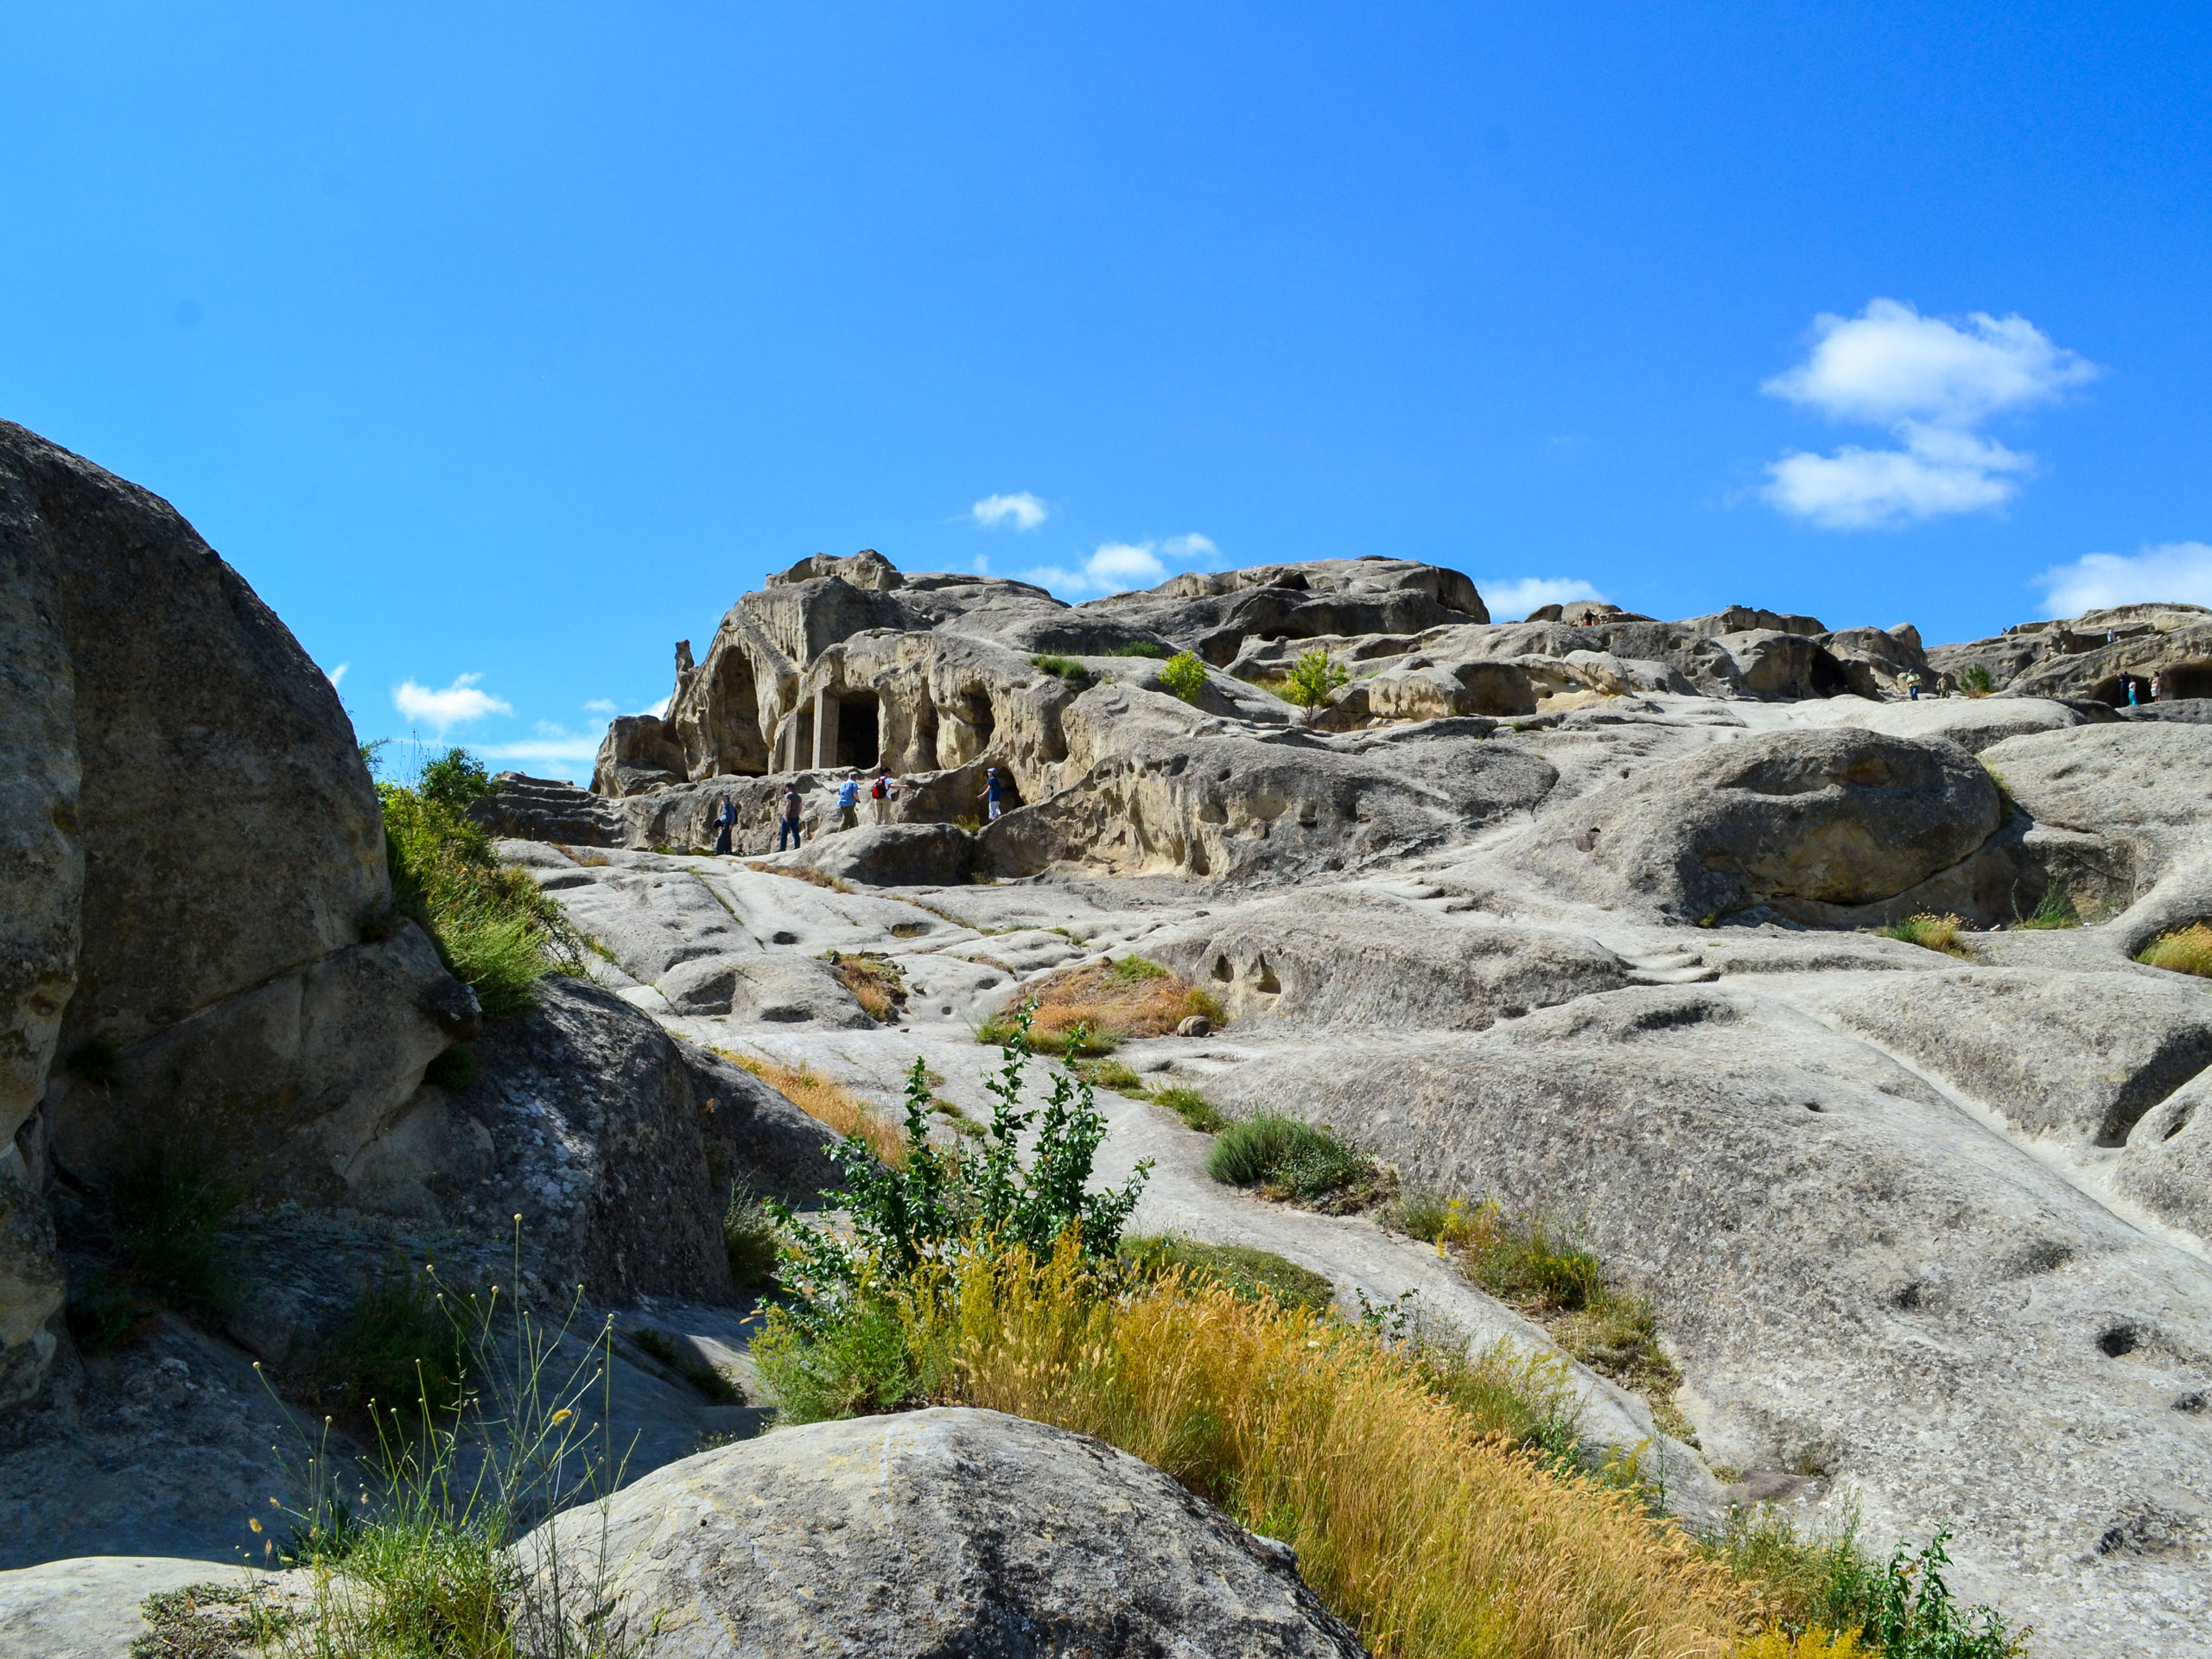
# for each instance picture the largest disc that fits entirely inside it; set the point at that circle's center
(166, 735)
(1814, 825)
(893, 856)
(933, 1533)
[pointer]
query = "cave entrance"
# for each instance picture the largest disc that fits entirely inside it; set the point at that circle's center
(2186, 679)
(1829, 679)
(732, 726)
(2114, 689)
(860, 724)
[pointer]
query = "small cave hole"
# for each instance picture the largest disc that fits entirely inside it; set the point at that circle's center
(783, 938)
(1268, 984)
(1815, 1106)
(1221, 970)
(2120, 1340)
(2192, 1402)
(2180, 1122)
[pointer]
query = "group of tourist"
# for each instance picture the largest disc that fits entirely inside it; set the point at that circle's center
(881, 793)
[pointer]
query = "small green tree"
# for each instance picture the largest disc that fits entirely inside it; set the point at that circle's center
(1976, 681)
(1185, 676)
(902, 1218)
(456, 780)
(1312, 678)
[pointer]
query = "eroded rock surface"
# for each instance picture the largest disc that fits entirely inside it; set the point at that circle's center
(936, 1532)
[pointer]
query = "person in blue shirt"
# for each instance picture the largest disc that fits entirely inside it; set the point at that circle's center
(994, 790)
(849, 802)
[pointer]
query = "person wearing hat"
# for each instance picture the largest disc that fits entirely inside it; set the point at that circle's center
(994, 791)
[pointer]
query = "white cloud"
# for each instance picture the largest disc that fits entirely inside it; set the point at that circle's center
(601, 706)
(336, 675)
(1117, 566)
(1022, 510)
(1891, 364)
(556, 750)
(456, 705)
(1508, 601)
(1931, 382)
(2173, 570)
(1937, 471)
(1190, 548)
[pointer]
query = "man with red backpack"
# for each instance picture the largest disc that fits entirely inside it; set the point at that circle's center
(880, 792)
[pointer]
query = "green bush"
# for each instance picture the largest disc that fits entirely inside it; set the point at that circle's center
(1192, 1107)
(1312, 678)
(2055, 909)
(1184, 676)
(165, 1208)
(749, 1235)
(1151, 648)
(493, 929)
(851, 1366)
(1976, 681)
(455, 781)
(397, 1345)
(1288, 1157)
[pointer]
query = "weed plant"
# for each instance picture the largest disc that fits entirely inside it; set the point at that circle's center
(1289, 1158)
(1976, 681)
(1151, 648)
(492, 927)
(432, 1554)
(163, 1208)
(396, 1344)
(1184, 676)
(1121, 1000)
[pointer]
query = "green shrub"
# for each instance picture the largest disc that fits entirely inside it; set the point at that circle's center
(1192, 1107)
(1060, 668)
(1976, 681)
(1289, 1158)
(1251, 1273)
(1151, 648)
(493, 929)
(1312, 678)
(1110, 1074)
(398, 1344)
(853, 1365)
(750, 1236)
(455, 781)
(165, 1208)
(1184, 676)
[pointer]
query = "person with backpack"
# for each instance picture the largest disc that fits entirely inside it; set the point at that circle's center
(788, 833)
(849, 802)
(725, 820)
(879, 792)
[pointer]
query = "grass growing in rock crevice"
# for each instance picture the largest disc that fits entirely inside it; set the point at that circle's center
(877, 983)
(156, 1224)
(2184, 950)
(1929, 932)
(1112, 1002)
(2055, 909)
(493, 928)
(1548, 1272)
(1289, 1158)
(1196, 1111)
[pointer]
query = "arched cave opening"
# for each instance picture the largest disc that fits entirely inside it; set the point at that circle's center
(1829, 679)
(860, 726)
(2187, 680)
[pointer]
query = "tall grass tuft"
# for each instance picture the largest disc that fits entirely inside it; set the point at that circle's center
(2185, 950)
(827, 1102)
(1287, 1157)
(1929, 932)
(165, 1206)
(2055, 909)
(1431, 1535)
(497, 932)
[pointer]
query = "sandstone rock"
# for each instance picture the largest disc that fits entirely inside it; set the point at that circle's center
(1197, 1026)
(1800, 825)
(640, 751)
(2167, 1164)
(547, 809)
(649, 920)
(940, 1532)
(894, 855)
(88, 1607)
(2144, 789)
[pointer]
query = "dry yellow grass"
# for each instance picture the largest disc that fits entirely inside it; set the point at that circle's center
(829, 1103)
(875, 983)
(1120, 1002)
(1435, 1539)
(1929, 932)
(2185, 950)
(814, 878)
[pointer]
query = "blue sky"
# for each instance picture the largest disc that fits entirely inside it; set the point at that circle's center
(500, 346)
